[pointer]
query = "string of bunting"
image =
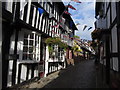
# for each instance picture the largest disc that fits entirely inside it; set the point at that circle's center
(62, 20)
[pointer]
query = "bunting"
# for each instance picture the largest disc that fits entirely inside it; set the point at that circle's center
(66, 12)
(84, 27)
(70, 6)
(40, 10)
(76, 1)
(55, 26)
(89, 28)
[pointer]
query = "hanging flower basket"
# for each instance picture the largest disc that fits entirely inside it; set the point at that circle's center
(55, 41)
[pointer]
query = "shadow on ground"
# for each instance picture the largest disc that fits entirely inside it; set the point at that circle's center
(82, 75)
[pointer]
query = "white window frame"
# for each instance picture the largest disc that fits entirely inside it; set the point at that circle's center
(36, 51)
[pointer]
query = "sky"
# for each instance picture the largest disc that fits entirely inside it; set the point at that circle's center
(85, 15)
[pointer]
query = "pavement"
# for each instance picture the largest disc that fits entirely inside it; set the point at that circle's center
(84, 74)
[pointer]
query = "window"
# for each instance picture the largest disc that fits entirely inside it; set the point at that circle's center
(57, 53)
(31, 47)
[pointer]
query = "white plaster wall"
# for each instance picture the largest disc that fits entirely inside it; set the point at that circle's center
(20, 44)
(46, 61)
(115, 63)
(114, 47)
(12, 44)
(9, 82)
(114, 39)
(108, 18)
(9, 4)
(113, 10)
(17, 72)
(29, 75)
(36, 72)
(23, 73)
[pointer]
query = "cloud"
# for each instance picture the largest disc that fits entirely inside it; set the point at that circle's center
(85, 15)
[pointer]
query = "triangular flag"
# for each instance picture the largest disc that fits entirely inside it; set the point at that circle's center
(84, 27)
(70, 6)
(89, 28)
(40, 10)
(76, 1)
(55, 26)
(66, 12)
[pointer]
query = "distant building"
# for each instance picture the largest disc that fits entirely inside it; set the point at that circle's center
(108, 33)
(25, 26)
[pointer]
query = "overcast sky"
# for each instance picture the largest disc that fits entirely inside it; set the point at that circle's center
(85, 15)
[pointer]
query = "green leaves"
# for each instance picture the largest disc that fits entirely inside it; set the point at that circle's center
(55, 41)
(76, 36)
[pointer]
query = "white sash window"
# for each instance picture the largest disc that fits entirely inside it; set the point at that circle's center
(31, 47)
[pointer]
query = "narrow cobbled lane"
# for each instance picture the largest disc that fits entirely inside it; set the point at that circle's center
(82, 75)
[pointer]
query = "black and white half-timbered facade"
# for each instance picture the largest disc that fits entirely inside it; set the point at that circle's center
(25, 27)
(108, 23)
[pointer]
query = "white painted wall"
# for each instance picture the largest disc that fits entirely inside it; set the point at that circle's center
(114, 39)
(9, 82)
(113, 10)
(12, 44)
(23, 73)
(114, 47)
(9, 4)
(108, 18)
(46, 61)
(28, 12)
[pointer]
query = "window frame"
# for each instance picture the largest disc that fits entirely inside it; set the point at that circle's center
(36, 45)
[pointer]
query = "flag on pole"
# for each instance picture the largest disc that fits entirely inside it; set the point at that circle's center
(84, 27)
(76, 1)
(40, 10)
(70, 6)
(89, 28)
(66, 12)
